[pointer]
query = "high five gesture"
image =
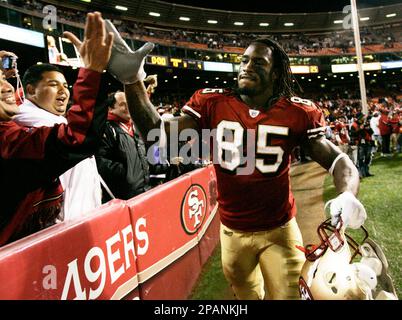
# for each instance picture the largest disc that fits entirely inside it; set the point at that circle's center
(96, 48)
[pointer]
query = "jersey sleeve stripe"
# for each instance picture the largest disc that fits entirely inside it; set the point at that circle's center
(187, 108)
(315, 130)
(312, 136)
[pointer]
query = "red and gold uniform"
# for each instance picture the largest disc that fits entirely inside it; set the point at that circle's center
(262, 200)
(258, 233)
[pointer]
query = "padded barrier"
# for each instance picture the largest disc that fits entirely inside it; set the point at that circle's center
(152, 246)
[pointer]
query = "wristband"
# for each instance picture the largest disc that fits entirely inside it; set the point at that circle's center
(340, 156)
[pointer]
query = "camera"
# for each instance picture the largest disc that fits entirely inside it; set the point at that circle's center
(8, 62)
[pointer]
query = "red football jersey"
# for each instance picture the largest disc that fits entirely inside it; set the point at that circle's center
(260, 200)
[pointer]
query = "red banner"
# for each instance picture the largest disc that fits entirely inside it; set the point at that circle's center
(169, 252)
(208, 235)
(92, 258)
(150, 247)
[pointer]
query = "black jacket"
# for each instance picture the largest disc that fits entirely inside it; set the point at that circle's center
(122, 163)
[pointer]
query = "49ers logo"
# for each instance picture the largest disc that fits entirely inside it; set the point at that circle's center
(193, 209)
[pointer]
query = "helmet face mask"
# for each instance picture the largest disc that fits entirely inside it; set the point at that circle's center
(333, 238)
(328, 273)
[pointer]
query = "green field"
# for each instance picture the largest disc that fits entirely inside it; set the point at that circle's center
(382, 198)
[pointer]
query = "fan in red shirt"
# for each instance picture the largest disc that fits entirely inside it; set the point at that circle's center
(385, 128)
(259, 233)
(32, 159)
(395, 121)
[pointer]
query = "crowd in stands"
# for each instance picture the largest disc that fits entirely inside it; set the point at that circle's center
(293, 43)
(361, 135)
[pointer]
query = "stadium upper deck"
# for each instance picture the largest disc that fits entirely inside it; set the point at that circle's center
(253, 19)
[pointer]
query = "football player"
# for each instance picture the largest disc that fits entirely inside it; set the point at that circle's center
(259, 232)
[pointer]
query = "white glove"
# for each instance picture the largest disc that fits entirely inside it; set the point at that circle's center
(349, 209)
(124, 64)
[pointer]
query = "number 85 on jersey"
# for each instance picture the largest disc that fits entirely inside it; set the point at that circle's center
(230, 143)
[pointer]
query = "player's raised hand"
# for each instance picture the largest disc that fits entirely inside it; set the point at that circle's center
(125, 65)
(95, 49)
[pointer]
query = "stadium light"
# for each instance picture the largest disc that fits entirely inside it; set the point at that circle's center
(365, 19)
(212, 21)
(264, 24)
(121, 8)
(288, 24)
(184, 18)
(155, 14)
(338, 21)
(238, 23)
(391, 15)
(88, 1)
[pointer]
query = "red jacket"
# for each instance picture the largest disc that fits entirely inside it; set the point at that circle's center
(394, 122)
(32, 159)
(384, 125)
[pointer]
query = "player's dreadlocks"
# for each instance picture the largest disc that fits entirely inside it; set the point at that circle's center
(283, 86)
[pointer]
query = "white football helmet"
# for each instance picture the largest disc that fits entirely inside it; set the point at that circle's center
(330, 274)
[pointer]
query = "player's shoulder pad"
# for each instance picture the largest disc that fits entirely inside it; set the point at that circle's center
(212, 91)
(211, 94)
(304, 103)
